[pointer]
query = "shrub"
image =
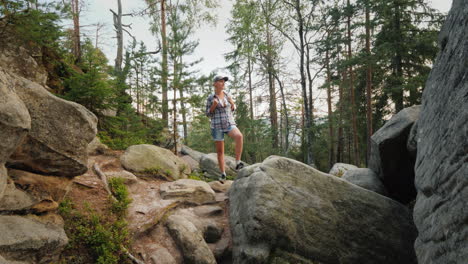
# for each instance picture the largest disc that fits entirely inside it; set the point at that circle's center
(97, 237)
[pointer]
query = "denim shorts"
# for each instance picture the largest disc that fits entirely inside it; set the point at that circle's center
(218, 134)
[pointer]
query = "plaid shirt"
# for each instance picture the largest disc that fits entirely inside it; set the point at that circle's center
(222, 117)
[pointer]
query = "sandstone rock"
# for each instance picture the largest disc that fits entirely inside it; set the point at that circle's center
(209, 165)
(4, 261)
(223, 250)
(16, 200)
(389, 157)
(366, 179)
(141, 158)
(28, 240)
(212, 232)
(3, 179)
(412, 142)
(339, 169)
(162, 256)
(217, 186)
(95, 147)
(18, 59)
(15, 121)
(190, 241)
(41, 187)
(129, 177)
(440, 212)
(194, 165)
(188, 190)
(285, 210)
(196, 155)
(208, 210)
(59, 135)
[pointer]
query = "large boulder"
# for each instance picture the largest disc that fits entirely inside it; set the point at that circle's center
(162, 256)
(194, 191)
(95, 147)
(15, 123)
(25, 239)
(194, 165)
(441, 210)
(196, 155)
(390, 158)
(339, 169)
(285, 211)
(15, 200)
(209, 165)
(59, 135)
(220, 187)
(19, 59)
(190, 241)
(145, 158)
(366, 179)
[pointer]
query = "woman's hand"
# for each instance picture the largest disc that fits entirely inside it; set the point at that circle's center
(233, 106)
(213, 105)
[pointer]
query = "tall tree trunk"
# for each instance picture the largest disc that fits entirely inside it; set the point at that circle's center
(397, 95)
(368, 84)
(351, 88)
(175, 84)
(286, 118)
(311, 99)
(182, 106)
(271, 85)
(137, 89)
(250, 86)
(331, 153)
(119, 33)
(164, 74)
(75, 9)
(339, 151)
(308, 139)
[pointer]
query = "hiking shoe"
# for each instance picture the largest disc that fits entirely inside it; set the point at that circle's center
(222, 178)
(239, 166)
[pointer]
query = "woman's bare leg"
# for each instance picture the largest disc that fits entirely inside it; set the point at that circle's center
(239, 139)
(220, 152)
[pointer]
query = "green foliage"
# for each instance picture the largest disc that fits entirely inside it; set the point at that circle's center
(196, 176)
(153, 171)
(158, 172)
(199, 176)
(120, 192)
(32, 25)
(96, 237)
(91, 88)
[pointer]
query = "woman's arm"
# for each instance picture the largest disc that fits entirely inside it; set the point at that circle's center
(213, 106)
(209, 106)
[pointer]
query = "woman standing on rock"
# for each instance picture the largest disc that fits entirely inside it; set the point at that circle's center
(219, 107)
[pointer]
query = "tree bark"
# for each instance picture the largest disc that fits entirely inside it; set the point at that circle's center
(368, 84)
(250, 87)
(308, 139)
(351, 87)
(339, 151)
(271, 85)
(119, 33)
(75, 10)
(164, 74)
(286, 118)
(397, 95)
(331, 153)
